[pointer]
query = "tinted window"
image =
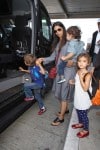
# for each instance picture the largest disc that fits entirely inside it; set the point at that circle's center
(46, 28)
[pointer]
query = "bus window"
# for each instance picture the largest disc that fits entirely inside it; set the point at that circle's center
(46, 28)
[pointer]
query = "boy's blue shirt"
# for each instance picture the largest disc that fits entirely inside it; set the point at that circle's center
(36, 76)
(75, 46)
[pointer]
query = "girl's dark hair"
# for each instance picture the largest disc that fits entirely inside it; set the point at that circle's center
(30, 59)
(75, 31)
(56, 38)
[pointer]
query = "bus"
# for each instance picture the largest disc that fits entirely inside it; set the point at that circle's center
(25, 27)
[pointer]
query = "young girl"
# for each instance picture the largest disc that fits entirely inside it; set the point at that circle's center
(82, 100)
(75, 47)
(36, 71)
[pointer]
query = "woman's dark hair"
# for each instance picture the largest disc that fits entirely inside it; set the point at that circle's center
(56, 38)
(75, 31)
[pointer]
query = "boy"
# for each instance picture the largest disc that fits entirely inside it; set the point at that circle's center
(36, 71)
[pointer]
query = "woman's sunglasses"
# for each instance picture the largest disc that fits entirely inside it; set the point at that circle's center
(55, 31)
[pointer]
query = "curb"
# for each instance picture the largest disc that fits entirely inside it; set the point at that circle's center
(71, 141)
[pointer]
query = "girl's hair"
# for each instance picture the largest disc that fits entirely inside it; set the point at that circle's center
(56, 38)
(75, 31)
(29, 59)
(86, 56)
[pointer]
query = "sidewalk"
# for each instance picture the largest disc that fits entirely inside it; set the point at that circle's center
(92, 142)
(33, 132)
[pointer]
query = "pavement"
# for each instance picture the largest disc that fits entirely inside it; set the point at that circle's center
(92, 142)
(33, 132)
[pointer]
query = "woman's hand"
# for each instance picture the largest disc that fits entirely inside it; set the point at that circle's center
(72, 81)
(70, 63)
(40, 60)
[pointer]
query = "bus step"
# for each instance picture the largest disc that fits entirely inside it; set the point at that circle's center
(11, 115)
(12, 105)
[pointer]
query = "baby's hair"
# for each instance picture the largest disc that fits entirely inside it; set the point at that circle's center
(75, 31)
(29, 59)
(84, 55)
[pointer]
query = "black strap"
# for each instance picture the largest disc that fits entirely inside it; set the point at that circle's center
(89, 93)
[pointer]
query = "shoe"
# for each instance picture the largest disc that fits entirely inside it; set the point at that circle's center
(66, 112)
(57, 122)
(61, 81)
(41, 111)
(82, 134)
(29, 99)
(76, 126)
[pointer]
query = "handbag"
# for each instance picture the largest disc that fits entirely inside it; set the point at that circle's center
(96, 99)
(53, 70)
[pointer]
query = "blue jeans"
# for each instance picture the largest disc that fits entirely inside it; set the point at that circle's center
(61, 67)
(28, 87)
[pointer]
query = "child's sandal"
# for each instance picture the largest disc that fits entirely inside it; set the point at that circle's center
(82, 134)
(76, 126)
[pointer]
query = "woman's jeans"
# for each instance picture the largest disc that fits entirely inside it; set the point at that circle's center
(28, 87)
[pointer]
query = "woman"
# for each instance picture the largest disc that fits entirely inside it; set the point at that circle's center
(61, 91)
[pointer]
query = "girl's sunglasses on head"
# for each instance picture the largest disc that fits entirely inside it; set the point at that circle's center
(58, 30)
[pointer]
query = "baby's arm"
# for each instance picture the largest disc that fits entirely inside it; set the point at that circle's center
(23, 70)
(67, 57)
(71, 49)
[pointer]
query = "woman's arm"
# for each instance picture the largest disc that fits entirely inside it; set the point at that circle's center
(46, 60)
